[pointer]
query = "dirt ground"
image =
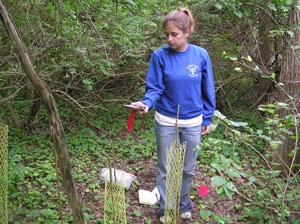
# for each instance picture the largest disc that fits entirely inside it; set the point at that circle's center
(146, 179)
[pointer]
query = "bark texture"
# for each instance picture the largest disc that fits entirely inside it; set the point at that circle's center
(264, 52)
(14, 114)
(54, 119)
(290, 77)
(34, 108)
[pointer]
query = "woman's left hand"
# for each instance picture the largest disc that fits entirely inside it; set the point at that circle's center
(144, 106)
(205, 130)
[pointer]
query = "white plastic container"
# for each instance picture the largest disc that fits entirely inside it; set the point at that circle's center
(127, 178)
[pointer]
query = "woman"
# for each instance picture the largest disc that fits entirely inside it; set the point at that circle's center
(179, 74)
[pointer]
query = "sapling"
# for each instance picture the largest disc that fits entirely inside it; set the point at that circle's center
(175, 162)
(114, 202)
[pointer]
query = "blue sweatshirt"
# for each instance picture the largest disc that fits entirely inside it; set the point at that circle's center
(183, 78)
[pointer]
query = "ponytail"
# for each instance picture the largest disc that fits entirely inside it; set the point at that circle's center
(191, 19)
(182, 18)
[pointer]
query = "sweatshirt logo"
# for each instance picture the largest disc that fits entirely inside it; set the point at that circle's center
(193, 70)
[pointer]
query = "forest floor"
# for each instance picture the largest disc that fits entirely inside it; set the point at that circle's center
(33, 196)
(145, 172)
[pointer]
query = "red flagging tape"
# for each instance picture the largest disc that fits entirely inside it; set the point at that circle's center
(203, 190)
(130, 121)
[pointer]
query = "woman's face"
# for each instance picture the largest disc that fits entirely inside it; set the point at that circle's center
(176, 38)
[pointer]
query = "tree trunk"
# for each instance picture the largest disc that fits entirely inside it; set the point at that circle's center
(290, 77)
(13, 113)
(34, 108)
(264, 52)
(54, 119)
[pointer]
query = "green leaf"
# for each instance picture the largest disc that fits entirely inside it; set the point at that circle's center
(296, 47)
(291, 33)
(276, 172)
(33, 213)
(220, 190)
(238, 69)
(213, 126)
(233, 58)
(51, 6)
(275, 144)
(238, 14)
(218, 114)
(228, 219)
(239, 124)
(137, 212)
(272, 7)
(273, 75)
(217, 166)
(243, 174)
(218, 219)
(228, 192)
(282, 104)
(230, 186)
(252, 179)
(48, 212)
(218, 6)
(236, 166)
(287, 131)
(217, 181)
(225, 161)
(131, 2)
(237, 133)
(232, 173)
(205, 215)
(248, 58)
(266, 109)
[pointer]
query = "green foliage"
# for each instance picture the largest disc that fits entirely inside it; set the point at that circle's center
(31, 172)
(89, 49)
(233, 167)
(229, 162)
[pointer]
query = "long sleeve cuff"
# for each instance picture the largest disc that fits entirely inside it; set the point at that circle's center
(148, 103)
(206, 122)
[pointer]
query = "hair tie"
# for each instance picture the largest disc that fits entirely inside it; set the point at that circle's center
(185, 12)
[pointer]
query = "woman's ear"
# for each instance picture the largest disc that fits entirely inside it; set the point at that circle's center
(188, 33)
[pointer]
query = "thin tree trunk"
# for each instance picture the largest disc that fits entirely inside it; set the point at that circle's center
(264, 52)
(13, 113)
(54, 119)
(34, 108)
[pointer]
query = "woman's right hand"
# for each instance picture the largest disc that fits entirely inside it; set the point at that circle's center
(144, 109)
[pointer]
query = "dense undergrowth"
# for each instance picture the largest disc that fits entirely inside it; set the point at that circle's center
(233, 157)
(32, 178)
(102, 48)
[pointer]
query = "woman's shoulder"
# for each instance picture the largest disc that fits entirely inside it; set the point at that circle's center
(198, 48)
(161, 51)
(160, 54)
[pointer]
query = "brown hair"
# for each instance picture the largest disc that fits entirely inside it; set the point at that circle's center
(182, 18)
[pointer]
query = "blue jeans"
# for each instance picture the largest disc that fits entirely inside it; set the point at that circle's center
(164, 139)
